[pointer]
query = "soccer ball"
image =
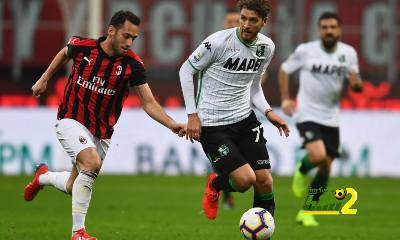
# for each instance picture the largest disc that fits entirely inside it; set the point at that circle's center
(340, 194)
(257, 224)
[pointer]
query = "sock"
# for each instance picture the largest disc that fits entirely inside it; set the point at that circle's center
(222, 182)
(306, 165)
(55, 179)
(319, 181)
(81, 195)
(265, 200)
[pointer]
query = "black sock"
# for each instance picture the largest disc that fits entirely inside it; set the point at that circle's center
(306, 165)
(265, 200)
(320, 181)
(222, 182)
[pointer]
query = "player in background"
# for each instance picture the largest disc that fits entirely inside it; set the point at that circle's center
(230, 64)
(324, 65)
(103, 72)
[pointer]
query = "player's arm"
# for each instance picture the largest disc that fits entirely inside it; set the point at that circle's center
(59, 60)
(287, 104)
(155, 111)
(354, 74)
(261, 104)
(200, 59)
(186, 74)
(293, 63)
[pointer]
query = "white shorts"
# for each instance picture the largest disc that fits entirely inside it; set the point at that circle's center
(74, 137)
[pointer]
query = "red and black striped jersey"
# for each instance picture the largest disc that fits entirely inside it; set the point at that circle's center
(98, 85)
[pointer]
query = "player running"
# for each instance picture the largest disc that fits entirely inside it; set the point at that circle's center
(230, 63)
(103, 72)
(324, 65)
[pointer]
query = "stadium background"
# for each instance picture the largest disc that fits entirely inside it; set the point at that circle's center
(33, 31)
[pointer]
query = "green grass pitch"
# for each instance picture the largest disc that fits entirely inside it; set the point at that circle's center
(159, 207)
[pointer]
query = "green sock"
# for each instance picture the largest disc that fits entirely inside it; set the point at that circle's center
(319, 181)
(306, 165)
(265, 200)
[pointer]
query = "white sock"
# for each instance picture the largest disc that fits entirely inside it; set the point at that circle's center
(55, 179)
(81, 195)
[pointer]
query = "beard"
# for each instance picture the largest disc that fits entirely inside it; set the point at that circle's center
(330, 41)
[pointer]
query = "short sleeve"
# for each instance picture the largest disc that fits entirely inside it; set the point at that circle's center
(353, 66)
(73, 46)
(295, 60)
(205, 53)
(138, 75)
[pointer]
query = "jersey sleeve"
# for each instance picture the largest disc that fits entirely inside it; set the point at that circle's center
(74, 45)
(138, 75)
(353, 66)
(295, 60)
(205, 53)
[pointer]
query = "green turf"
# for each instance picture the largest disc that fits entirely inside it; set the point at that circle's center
(154, 207)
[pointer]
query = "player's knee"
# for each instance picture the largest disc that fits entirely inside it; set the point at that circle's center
(92, 164)
(318, 157)
(245, 182)
(265, 184)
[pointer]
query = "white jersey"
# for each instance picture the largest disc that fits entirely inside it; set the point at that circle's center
(227, 67)
(321, 79)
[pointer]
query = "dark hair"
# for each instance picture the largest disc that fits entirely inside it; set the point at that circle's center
(329, 15)
(231, 10)
(261, 7)
(121, 16)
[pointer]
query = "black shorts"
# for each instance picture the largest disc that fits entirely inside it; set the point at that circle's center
(229, 147)
(311, 131)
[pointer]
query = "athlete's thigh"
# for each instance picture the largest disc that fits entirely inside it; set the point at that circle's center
(221, 151)
(252, 145)
(331, 138)
(74, 137)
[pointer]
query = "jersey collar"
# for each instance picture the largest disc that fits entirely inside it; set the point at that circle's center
(240, 39)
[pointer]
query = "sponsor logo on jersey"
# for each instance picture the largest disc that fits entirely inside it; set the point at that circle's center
(197, 57)
(207, 45)
(223, 150)
(328, 69)
(82, 140)
(96, 84)
(264, 161)
(245, 64)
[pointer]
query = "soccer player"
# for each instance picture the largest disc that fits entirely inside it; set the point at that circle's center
(324, 65)
(103, 72)
(230, 63)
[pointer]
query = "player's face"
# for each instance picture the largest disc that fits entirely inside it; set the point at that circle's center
(329, 32)
(231, 20)
(122, 38)
(250, 24)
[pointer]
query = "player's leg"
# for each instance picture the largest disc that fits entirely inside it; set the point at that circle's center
(234, 174)
(88, 163)
(228, 199)
(311, 135)
(263, 191)
(252, 147)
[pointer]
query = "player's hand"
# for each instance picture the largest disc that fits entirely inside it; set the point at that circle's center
(288, 106)
(278, 122)
(39, 87)
(193, 131)
(355, 82)
(179, 128)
